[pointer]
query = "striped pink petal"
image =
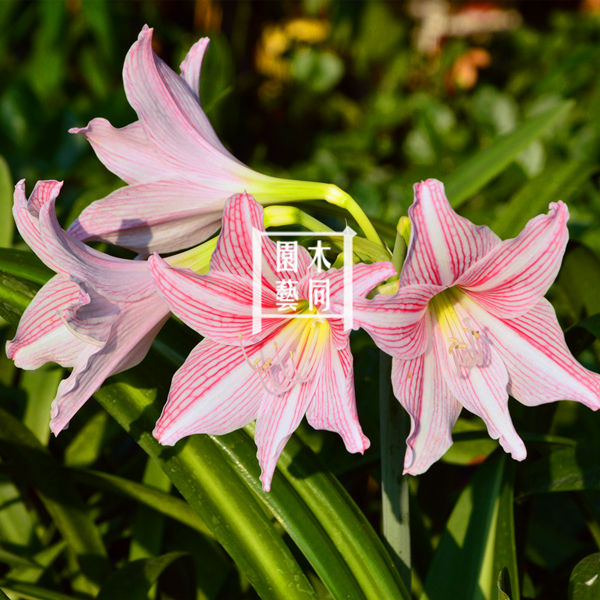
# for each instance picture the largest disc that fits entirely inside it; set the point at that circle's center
(192, 65)
(278, 417)
(130, 338)
(215, 391)
(397, 323)
(481, 389)
(43, 334)
(333, 406)
(172, 117)
(26, 213)
(126, 151)
(442, 244)
(540, 365)
(217, 305)
(116, 278)
(160, 216)
(365, 277)
(234, 251)
(514, 276)
(420, 387)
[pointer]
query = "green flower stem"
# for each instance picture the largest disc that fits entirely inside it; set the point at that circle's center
(394, 485)
(198, 258)
(288, 190)
(394, 430)
(281, 216)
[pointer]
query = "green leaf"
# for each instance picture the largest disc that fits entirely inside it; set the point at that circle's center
(478, 540)
(579, 281)
(343, 521)
(40, 386)
(87, 444)
(15, 560)
(3, 596)
(476, 172)
(148, 526)
(41, 561)
(15, 296)
(24, 264)
(212, 487)
(30, 591)
(29, 460)
(135, 579)
(295, 516)
(584, 583)
(6, 202)
(156, 499)
(472, 443)
(16, 523)
(502, 585)
(505, 545)
(564, 470)
(557, 182)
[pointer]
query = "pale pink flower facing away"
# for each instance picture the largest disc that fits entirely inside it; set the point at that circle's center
(179, 174)
(291, 368)
(470, 325)
(98, 314)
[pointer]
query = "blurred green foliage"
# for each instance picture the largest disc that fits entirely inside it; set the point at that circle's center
(347, 99)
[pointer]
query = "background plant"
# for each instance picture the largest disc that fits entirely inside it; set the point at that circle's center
(332, 91)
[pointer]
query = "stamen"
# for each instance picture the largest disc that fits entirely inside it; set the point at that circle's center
(466, 346)
(277, 374)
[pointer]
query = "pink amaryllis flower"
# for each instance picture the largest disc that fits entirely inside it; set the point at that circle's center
(292, 367)
(469, 325)
(98, 314)
(179, 174)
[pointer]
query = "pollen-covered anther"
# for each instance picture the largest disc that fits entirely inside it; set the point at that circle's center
(468, 353)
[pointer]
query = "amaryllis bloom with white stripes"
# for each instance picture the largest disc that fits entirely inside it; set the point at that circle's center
(98, 314)
(293, 367)
(470, 325)
(179, 174)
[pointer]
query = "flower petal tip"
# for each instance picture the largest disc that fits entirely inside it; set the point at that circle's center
(559, 208)
(266, 483)
(163, 436)
(428, 185)
(146, 30)
(515, 447)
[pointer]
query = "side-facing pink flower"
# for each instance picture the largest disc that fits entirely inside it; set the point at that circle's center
(470, 325)
(179, 173)
(294, 366)
(98, 314)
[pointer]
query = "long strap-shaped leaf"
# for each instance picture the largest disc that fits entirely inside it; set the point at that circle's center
(479, 538)
(211, 486)
(474, 173)
(345, 526)
(21, 449)
(162, 502)
(344, 534)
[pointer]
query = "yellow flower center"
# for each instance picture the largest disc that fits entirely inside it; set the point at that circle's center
(466, 345)
(291, 356)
